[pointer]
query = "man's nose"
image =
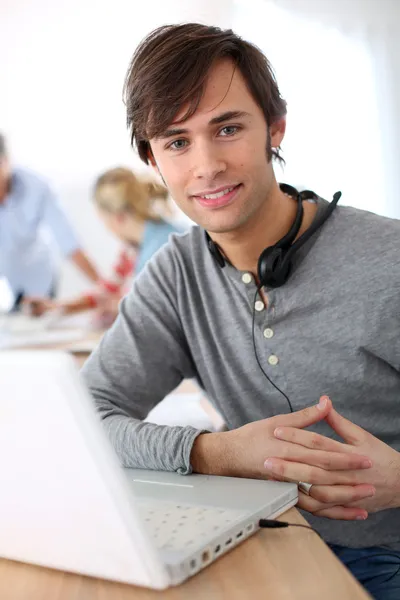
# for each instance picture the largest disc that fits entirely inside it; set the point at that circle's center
(207, 162)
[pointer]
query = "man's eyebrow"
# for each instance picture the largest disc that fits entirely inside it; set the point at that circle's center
(226, 116)
(171, 133)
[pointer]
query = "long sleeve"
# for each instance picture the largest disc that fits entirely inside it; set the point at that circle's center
(55, 219)
(139, 361)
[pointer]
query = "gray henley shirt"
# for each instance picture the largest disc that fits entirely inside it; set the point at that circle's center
(334, 329)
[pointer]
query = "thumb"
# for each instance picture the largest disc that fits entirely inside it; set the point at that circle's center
(308, 416)
(348, 431)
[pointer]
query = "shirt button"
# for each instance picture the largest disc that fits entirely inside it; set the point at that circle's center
(259, 305)
(268, 333)
(273, 360)
(247, 278)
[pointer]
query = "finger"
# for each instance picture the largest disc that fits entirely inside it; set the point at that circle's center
(342, 494)
(310, 504)
(343, 513)
(330, 461)
(311, 440)
(347, 430)
(292, 471)
(330, 511)
(307, 416)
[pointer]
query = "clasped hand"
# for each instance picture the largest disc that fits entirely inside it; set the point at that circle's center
(341, 489)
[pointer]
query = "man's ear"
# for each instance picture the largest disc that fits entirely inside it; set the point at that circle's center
(277, 132)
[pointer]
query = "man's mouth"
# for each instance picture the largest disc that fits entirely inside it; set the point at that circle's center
(217, 198)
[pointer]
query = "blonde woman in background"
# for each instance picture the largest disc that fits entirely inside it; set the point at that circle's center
(126, 205)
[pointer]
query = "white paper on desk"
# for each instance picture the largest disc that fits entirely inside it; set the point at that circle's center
(39, 338)
(181, 409)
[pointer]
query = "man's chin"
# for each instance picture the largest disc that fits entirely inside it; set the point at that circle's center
(223, 228)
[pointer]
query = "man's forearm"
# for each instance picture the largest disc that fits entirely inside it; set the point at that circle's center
(144, 445)
(80, 259)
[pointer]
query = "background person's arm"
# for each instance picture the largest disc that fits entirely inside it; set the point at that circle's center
(36, 307)
(81, 261)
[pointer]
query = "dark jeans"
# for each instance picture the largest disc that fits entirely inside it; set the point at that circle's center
(380, 575)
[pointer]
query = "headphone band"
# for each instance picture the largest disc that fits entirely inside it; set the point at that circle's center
(289, 238)
(315, 225)
(286, 245)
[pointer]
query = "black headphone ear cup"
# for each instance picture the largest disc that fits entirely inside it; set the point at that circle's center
(268, 263)
(273, 270)
(281, 275)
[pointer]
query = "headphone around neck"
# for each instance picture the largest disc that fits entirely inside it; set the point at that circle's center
(275, 262)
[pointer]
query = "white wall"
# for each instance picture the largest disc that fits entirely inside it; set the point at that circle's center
(374, 24)
(338, 66)
(61, 72)
(63, 64)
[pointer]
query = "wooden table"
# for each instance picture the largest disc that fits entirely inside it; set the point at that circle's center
(276, 564)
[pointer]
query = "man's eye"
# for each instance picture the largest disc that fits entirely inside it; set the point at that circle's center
(178, 144)
(229, 130)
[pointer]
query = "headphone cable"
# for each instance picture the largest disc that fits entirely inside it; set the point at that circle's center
(272, 524)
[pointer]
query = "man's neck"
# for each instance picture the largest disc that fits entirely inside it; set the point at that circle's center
(243, 247)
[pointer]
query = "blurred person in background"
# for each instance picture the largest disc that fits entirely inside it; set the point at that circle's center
(27, 258)
(127, 206)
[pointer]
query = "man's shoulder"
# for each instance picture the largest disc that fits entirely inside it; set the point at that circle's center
(25, 174)
(182, 254)
(178, 269)
(27, 179)
(368, 242)
(185, 247)
(366, 232)
(363, 221)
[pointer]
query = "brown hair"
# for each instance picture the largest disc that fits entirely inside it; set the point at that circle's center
(120, 190)
(169, 70)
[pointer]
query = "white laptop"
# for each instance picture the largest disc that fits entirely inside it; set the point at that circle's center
(66, 503)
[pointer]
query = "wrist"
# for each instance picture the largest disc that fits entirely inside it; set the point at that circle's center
(210, 455)
(393, 483)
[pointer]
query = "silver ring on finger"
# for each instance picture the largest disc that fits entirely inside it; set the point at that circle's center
(305, 487)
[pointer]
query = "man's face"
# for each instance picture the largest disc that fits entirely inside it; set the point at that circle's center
(215, 163)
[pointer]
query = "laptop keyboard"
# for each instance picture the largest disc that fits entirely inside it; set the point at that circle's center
(181, 527)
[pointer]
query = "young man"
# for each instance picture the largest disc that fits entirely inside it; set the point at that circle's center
(26, 259)
(205, 110)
